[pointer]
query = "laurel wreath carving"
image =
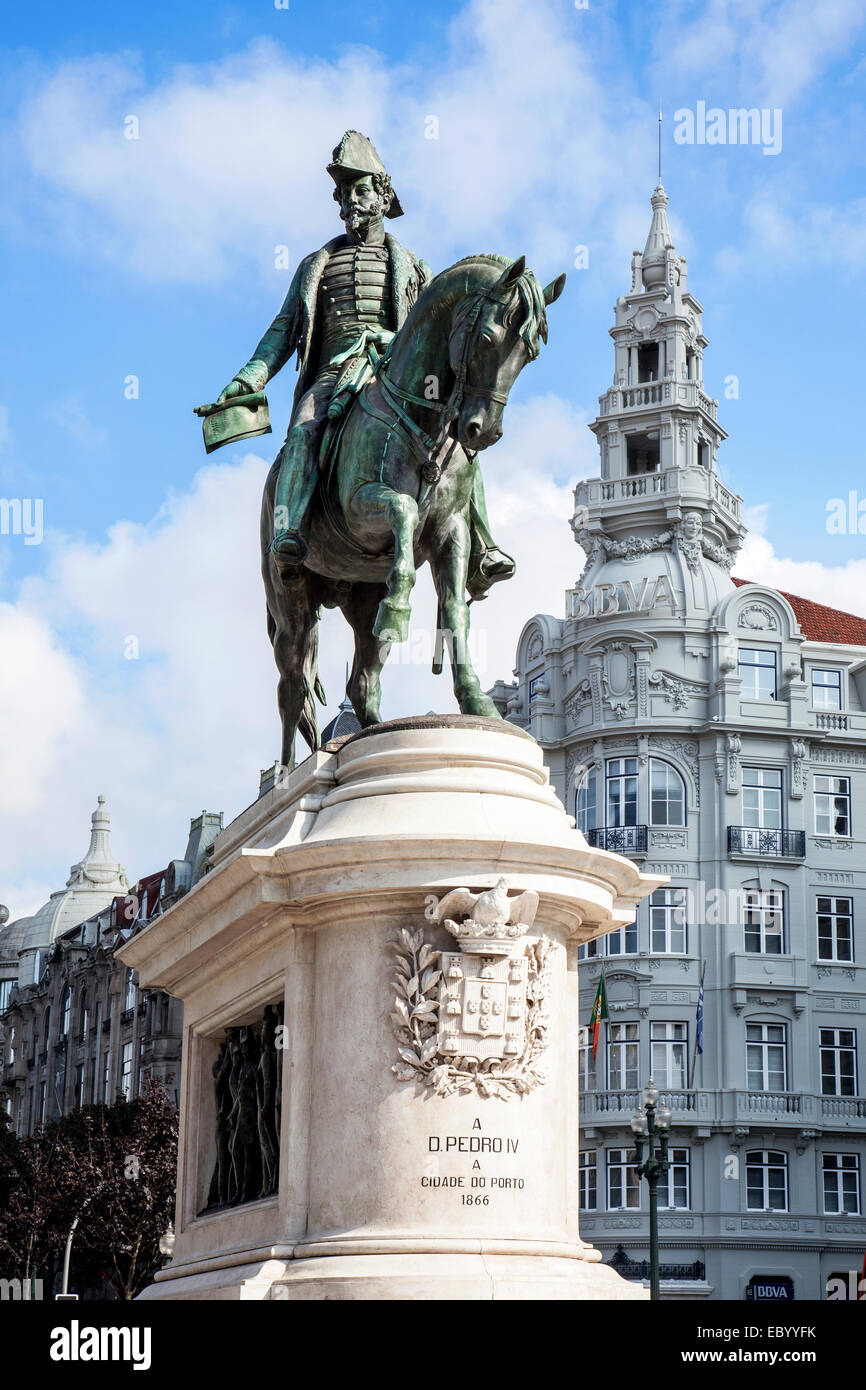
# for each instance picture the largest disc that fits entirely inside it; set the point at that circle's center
(416, 1025)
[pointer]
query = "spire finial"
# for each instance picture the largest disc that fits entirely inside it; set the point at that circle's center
(660, 139)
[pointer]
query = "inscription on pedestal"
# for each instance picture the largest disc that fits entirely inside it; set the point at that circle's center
(476, 1185)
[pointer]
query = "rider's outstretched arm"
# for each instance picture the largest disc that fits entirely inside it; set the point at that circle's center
(277, 344)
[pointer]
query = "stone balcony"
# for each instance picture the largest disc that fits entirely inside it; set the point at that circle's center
(689, 394)
(617, 1107)
(748, 970)
(729, 1110)
(697, 483)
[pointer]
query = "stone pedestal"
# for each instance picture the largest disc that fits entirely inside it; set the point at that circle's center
(428, 1088)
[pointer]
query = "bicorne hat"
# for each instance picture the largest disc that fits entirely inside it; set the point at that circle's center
(356, 156)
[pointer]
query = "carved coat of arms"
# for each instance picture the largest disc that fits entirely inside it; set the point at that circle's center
(474, 1019)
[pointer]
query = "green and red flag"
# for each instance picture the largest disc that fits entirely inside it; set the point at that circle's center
(599, 1012)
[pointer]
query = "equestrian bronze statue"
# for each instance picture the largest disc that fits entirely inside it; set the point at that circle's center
(403, 381)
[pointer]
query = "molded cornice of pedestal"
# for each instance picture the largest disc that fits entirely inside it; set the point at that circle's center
(394, 814)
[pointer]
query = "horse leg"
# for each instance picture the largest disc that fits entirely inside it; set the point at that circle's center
(364, 688)
(375, 502)
(294, 615)
(450, 565)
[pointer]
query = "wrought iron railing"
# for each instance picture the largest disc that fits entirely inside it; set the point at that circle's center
(640, 1269)
(619, 839)
(127, 1016)
(774, 844)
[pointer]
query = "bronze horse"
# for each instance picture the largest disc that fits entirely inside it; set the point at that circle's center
(396, 487)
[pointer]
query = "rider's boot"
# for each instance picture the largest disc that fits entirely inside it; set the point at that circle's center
(487, 563)
(296, 483)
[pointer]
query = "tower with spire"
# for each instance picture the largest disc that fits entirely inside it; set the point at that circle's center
(713, 730)
(658, 433)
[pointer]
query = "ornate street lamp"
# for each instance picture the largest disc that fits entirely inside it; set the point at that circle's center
(166, 1243)
(654, 1120)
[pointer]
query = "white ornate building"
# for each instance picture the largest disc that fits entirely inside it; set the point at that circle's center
(715, 730)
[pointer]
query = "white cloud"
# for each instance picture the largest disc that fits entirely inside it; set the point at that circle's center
(838, 586)
(229, 159)
(763, 51)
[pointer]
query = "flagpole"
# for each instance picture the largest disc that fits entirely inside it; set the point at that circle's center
(695, 1044)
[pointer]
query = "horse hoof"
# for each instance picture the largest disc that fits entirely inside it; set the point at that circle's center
(392, 621)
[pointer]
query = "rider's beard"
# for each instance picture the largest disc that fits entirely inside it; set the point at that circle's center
(358, 220)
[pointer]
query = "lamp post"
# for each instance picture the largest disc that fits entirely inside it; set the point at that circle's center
(653, 1121)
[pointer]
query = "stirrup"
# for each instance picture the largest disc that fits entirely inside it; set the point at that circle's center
(493, 565)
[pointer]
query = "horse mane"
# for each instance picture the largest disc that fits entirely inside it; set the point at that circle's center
(528, 295)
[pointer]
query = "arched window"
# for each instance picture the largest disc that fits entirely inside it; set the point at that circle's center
(667, 794)
(586, 803)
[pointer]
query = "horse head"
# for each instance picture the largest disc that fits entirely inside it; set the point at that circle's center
(495, 332)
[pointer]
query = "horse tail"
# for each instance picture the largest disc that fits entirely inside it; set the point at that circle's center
(308, 723)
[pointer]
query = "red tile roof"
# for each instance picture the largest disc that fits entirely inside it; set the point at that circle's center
(823, 624)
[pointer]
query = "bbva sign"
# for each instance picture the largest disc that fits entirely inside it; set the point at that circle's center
(624, 597)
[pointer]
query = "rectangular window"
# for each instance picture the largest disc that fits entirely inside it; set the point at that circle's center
(588, 1182)
(622, 1056)
(678, 1193)
(764, 922)
(841, 1184)
(835, 928)
(129, 1001)
(621, 778)
(126, 1071)
(762, 798)
(766, 1057)
(826, 689)
(623, 1184)
(667, 912)
(587, 804)
(5, 991)
(757, 671)
(766, 1180)
(78, 1099)
(838, 1049)
(833, 806)
(589, 950)
(42, 1102)
(94, 1080)
(106, 1077)
(536, 684)
(623, 941)
(669, 1054)
(587, 1061)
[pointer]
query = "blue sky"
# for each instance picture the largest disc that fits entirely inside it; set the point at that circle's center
(155, 258)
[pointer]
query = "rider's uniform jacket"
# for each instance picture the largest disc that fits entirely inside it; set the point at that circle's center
(334, 294)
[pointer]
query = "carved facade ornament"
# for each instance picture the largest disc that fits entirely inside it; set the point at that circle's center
(477, 1019)
(536, 646)
(600, 547)
(576, 703)
(674, 689)
(798, 771)
(618, 679)
(758, 617)
(735, 748)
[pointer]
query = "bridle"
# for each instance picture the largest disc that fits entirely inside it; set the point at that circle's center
(425, 446)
